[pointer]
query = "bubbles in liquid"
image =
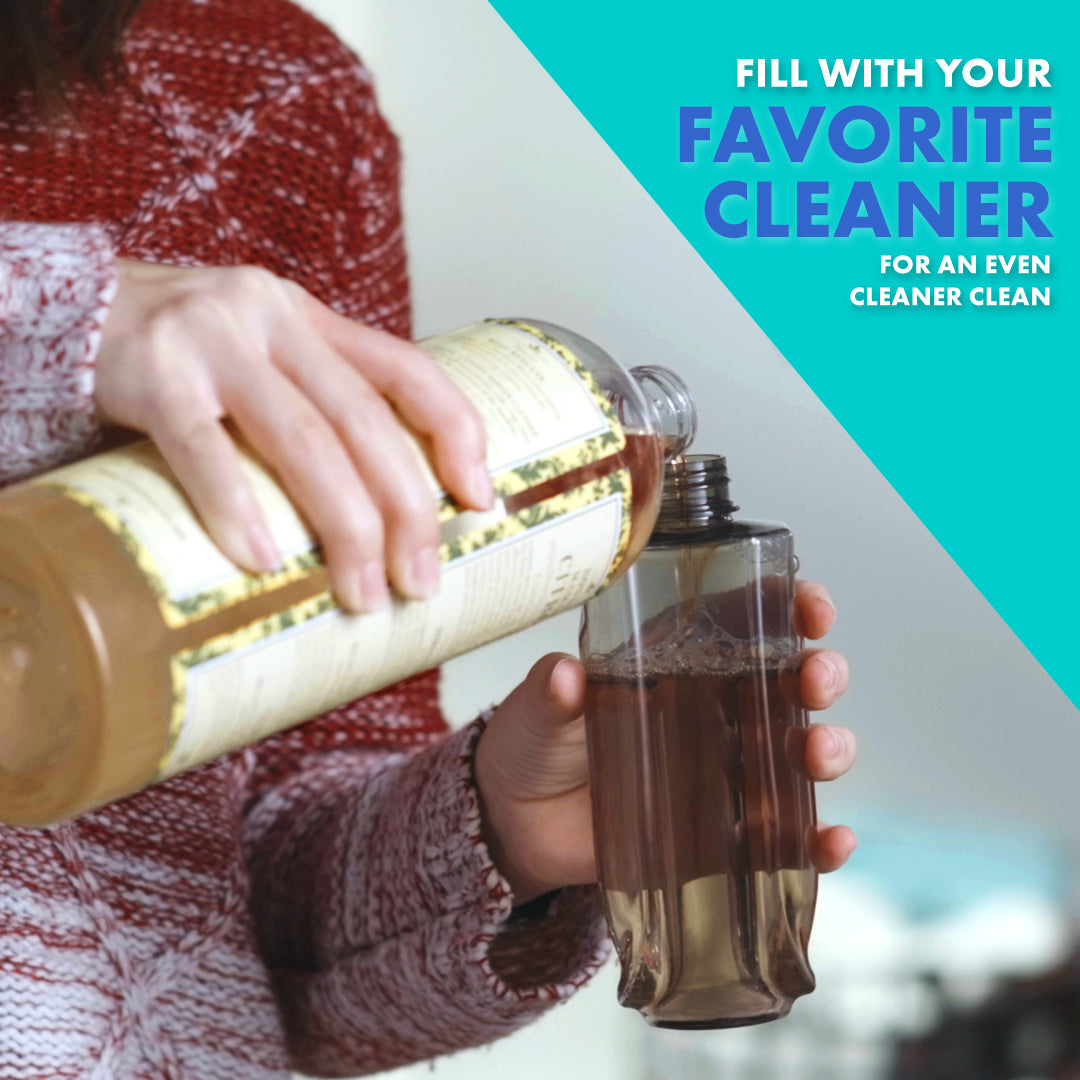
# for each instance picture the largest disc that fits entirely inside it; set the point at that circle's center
(696, 646)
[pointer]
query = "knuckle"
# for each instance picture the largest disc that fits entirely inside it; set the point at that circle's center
(411, 512)
(161, 333)
(412, 369)
(172, 384)
(249, 288)
(356, 540)
(364, 414)
(158, 368)
(194, 308)
(178, 318)
(167, 399)
(307, 436)
(252, 279)
(171, 406)
(193, 436)
(292, 290)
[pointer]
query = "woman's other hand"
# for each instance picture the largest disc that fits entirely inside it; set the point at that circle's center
(532, 765)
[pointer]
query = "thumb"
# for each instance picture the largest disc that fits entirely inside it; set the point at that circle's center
(551, 695)
(534, 747)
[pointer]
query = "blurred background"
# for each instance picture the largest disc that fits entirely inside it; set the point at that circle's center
(945, 949)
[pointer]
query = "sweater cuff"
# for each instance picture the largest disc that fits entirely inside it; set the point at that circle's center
(542, 954)
(56, 285)
(542, 959)
(385, 923)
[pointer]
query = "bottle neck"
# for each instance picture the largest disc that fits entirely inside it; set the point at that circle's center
(695, 493)
(648, 400)
(672, 407)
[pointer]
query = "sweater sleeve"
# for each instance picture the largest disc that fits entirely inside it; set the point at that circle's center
(56, 284)
(384, 922)
(379, 913)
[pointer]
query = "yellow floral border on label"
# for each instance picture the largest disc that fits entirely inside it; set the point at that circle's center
(616, 483)
(178, 613)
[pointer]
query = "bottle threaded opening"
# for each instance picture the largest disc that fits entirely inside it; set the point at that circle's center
(695, 492)
(672, 406)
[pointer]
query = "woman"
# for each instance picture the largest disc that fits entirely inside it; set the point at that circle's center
(212, 232)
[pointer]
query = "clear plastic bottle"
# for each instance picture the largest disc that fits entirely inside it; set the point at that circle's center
(132, 649)
(702, 812)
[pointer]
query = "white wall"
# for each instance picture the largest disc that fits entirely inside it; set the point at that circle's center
(515, 206)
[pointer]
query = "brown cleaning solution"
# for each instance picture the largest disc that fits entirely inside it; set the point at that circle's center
(704, 817)
(83, 590)
(704, 860)
(88, 690)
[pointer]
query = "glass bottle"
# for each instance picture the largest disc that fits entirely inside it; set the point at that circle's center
(701, 809)
(131, 649)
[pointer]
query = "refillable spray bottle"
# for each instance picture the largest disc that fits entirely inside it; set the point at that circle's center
(703, 814)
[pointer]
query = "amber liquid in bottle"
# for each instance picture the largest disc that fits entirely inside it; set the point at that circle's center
(702, 813)
(642, 455)
(130, 650)
(72, 601)
(726, 894)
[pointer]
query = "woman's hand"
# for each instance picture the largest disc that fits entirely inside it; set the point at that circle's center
(532, 766)
(319, 397)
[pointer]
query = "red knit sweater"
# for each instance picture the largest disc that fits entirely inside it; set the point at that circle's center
(323, 901)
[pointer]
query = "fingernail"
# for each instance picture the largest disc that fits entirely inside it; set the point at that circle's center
(349, 590)
(839, 745)
(376, 593)
(481, 491)
(554, 677)
(424, 573)
(834, 675)
(264, 552)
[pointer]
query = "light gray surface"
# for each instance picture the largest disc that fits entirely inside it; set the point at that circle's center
(515, 206)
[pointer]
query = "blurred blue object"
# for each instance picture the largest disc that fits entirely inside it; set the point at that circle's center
(934, 868)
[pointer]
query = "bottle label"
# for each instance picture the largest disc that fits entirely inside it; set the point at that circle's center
(240, 687)
(544, 416)
(135, 495)
(543, 413)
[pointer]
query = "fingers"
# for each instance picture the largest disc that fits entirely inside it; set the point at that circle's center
(294, 438)
(822, 677)
(183, 417)
(207, 464)
(831, 847)
(814, 610)
(319, 397)
(828, 751)
(534, 747)
(422, 393)
(386, 462)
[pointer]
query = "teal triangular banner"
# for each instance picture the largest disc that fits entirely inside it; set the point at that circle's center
(968, 411)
